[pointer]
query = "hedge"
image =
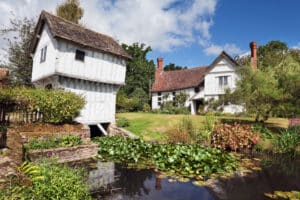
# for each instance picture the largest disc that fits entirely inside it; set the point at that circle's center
(56, 105)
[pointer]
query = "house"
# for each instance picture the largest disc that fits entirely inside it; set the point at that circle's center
(200, 83)
(67, 55)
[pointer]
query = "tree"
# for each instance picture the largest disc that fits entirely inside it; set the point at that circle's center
(135, 94)
(70, 10)
(274, 88)
(172, 67)
(19, 59)
(139, 70)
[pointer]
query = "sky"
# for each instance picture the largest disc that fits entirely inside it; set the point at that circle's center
(185, 32)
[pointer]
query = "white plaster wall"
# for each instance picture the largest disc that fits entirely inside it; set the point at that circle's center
(96, 66)
(189, 91)
(100, 99)
(47, 68)
(211, 83)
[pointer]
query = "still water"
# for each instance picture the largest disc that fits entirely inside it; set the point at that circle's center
(112, 181)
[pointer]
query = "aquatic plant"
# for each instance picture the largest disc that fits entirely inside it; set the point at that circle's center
(287, 141)
(187, 160)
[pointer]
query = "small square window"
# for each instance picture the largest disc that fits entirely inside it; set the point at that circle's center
(223, 80)
(159, 94)
(159, 103)
(79, 55)
(159, 98)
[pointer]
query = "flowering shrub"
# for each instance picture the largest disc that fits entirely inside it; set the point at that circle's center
(234, 137)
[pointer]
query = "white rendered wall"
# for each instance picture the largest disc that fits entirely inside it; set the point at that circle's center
(211, 82)
(96, 66)
(47, 68)
(189, 91)
(100, 100)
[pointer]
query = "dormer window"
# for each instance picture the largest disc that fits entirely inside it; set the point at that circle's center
(43, 54)
(79, 55)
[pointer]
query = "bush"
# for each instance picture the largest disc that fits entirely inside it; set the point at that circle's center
(233, 137)
(146, 108)
(57, 106)
(287, 141)
(64, 141)
(123, 122)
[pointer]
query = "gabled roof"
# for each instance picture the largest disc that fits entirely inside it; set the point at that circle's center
(223, 55)
(66, 30)
(186, 78)
(178, 79)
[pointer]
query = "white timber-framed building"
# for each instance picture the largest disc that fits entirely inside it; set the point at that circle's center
(69, 56)
(201, 84)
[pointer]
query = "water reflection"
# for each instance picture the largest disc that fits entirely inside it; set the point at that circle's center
(115, 182)
(144, 184)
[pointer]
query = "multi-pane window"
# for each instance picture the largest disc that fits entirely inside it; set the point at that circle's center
(223, 81)
(43, 54)
(79, 55)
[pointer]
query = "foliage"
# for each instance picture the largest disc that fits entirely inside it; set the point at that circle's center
(172, 67)
(234, 137)
(146, 108)
(43, 143)
(57, 106)
(123, 122)
(48, 181)
(18, 52)
(70, 10)
(287, 141)
(139, 78)
(188, 160)
(168, 107)
(279, 93)
(184, 133)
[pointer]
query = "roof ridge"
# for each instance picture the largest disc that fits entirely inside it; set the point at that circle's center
(79, 26)
(188, 69)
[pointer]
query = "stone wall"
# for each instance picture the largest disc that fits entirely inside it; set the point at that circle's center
(17, 136)
(65, 154)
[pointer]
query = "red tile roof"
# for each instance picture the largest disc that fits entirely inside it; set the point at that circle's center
(75, 33)
(178, 79)
(187, 78)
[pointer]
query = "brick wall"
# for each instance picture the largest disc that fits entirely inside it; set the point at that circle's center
(65, 154)
(19, 135)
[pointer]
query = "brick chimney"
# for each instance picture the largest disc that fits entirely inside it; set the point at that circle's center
(160, 64)
(3, 76)
(253, 47)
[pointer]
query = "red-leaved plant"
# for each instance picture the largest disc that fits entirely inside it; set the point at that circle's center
(233, 137)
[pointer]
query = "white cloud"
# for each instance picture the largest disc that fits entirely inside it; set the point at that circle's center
(297, 46)
(162, 24)
(230, 48)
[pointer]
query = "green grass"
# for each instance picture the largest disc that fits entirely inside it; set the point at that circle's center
(152, 126)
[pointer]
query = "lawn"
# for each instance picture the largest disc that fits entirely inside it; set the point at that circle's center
(155, 126)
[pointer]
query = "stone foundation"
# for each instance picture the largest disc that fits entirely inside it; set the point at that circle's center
(64, 154)
(117, 131)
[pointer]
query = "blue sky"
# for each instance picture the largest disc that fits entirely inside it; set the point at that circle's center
(185, 32)
(239, 22)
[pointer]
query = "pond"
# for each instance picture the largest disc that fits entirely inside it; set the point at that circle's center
(112, 181)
